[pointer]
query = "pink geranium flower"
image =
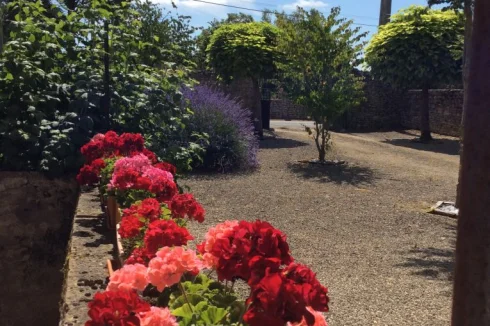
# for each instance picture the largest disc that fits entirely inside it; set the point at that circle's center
(136, 163)
(129, 277)
(319, 319)
(158, 316)
(170, 264)
(220, 231)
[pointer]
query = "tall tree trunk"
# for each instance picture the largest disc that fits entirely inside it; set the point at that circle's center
(471, 298)
(468, 26)
(424, 116)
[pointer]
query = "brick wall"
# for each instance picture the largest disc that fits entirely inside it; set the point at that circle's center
(287, 110)
(383, 108)
(445, 110)
(379, 110)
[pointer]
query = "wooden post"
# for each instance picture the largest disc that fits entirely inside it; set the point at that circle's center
(384, 12)
(471, 298)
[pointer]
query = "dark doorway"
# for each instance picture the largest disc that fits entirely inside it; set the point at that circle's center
(266, 113)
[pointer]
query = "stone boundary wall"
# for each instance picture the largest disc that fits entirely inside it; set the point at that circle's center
(287, 110)
(383, 107)
(36, 217)
(445, 110)
(387, 109)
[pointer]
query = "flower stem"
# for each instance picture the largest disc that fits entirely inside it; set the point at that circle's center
(240, 322)
(185, 297)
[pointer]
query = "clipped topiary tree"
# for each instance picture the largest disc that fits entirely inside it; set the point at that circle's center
(245, 50)
(418, 48)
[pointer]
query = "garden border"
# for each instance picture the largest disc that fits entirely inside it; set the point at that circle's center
(91, 245)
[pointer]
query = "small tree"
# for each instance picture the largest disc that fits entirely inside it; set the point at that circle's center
(418, 48)
(321, 53)
(245, 50)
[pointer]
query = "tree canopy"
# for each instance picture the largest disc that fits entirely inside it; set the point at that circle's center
(420, 46)
(202, 40)
(243, 50)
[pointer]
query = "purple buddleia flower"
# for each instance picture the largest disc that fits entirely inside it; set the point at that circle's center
(232, 143)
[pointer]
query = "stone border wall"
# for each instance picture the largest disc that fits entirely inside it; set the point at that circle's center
(91, 245)
(287, 110)
(383, 107)
(445, 110)
(36, 217)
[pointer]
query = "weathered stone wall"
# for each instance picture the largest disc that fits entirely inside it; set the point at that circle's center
(379, 110)
(35, 222)
(287, 110)
(445, 110)
(383, 107)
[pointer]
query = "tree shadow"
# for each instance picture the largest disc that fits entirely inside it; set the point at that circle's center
(432, 263)
(340, 174)
(443, 146)
(277, 142)
(94, 229)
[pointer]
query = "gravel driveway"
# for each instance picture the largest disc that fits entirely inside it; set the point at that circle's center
(362, 227)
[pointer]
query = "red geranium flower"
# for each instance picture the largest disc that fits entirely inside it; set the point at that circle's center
(90, 173)
(162, 233)
(166, 167)
(130, 226)
(303, 278)
(236, 254)
(139, 256)
(186, 205)
(121, 308)
(153, 158)
(149, 209)
(130, 143)
(284, 296)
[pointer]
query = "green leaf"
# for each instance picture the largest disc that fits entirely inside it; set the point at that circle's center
(156, 38)
(32, 38)
(213, 315)
(9, 76)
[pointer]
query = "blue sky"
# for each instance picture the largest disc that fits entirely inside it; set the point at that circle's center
(361, 11)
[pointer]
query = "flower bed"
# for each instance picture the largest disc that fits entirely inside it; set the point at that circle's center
(163, 281)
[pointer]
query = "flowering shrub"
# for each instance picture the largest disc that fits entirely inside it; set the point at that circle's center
(165, 270)
(231, 140)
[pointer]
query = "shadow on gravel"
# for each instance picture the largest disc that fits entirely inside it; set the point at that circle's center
(273, 143)
(443, 146)
(340, 174)
(433, 263)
